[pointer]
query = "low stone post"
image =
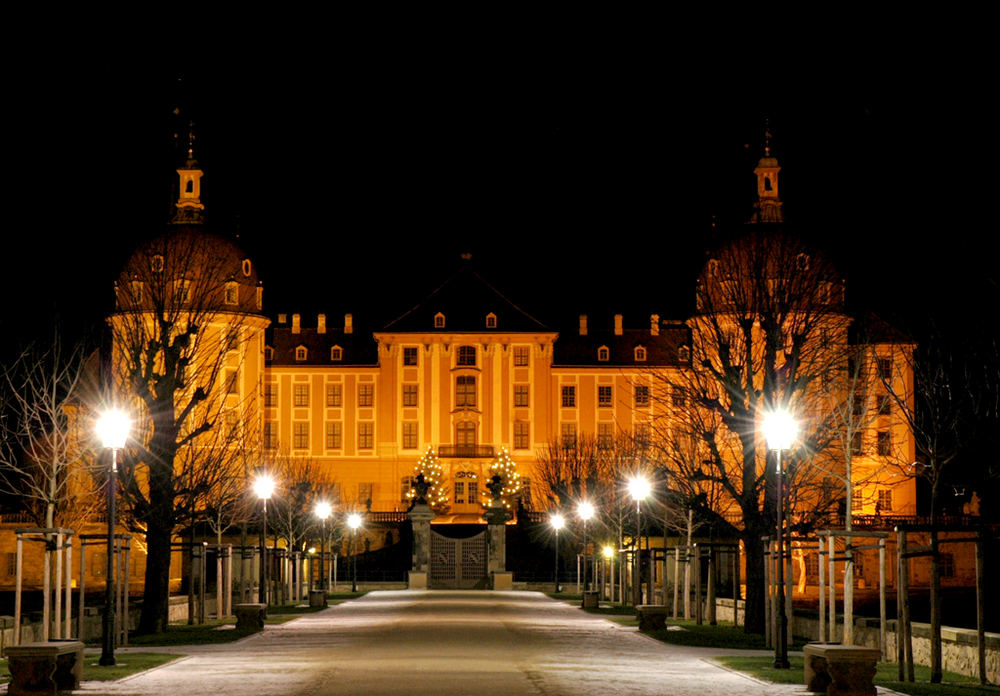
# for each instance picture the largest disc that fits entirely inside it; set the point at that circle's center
(497, 517)
(420, 517)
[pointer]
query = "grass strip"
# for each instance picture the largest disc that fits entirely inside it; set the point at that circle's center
(762, 667)
(127, 665)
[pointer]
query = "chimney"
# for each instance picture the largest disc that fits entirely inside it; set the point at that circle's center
(296, 323)
(654, 324)
(348, 323)
(282, 318)
(321, 323)
(583, 324)
(618, 325)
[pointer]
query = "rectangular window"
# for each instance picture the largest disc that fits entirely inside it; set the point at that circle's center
(231, 340)
(641, 395)
(334, 395)
(300, 395)
(405, 486)
(604, 396)
(884, 443)
(642, 434)
(366, 435)
(473, 491)
(410, 357)
(885, 368)
(410, 394)
(409, 435)
(11, 565)
(605, 435)
(884, 503)
(522, 435)
(884, 405)
(232, 293)
(459, 492)
(465, 391)
(857, 444)
(334, 435)
(366, 395)
(521, 354)
(568, 432)
(99, 563)
(300, 435)
(525, 493)
(678, 397)
(857, 499)
(569, 397)
(232, 381)
(365, 494)
(465, 434)
(270, 435)
(467, 356)
(521, 398)
(946, 562)
(271, 394)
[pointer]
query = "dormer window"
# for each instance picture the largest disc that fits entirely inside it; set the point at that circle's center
(182, 291)
(268, 353)
(640, 354)
(491, 321)
(247, 267)
(439, 321)
(684, 354)
(336, 353)
(232, 293)
(603, 354)
(136, 289)
(802, 262)
(301, 353)
(156, 263)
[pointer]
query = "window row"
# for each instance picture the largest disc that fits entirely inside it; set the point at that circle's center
(465, 435)
(605, 395)
(883, 443)
(334, 395)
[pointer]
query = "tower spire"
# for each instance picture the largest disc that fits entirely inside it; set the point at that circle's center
(768, 205)
(190, 209)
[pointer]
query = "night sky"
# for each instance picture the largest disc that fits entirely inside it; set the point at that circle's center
(581, 179)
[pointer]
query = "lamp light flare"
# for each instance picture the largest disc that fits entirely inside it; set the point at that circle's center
(585, 510)
(354, 520)
(608, 552)
(112, 428)
(263, 486)
(323, 510)
(639, 488)
(780, 429)
(557, 521)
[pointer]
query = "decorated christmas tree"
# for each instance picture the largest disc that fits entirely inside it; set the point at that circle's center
(503, 466)
(433, 472)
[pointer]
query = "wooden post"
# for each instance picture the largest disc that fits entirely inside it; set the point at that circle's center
(68, 603)
(57, 613)
(881, 599)
(900, 654)
(711, 587)
(822, 590)
(677, 583)
(81, 611)
(789, 586)
(830, 564)
(46, 590)
(126, 574)
(768, 614)
(19, 571)
(849, 590)
(228, 568)
(699, 608)
(736, 583)
(904, 590)
(981, 605)
(202, 583)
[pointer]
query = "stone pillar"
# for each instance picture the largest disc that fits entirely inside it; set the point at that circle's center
(420, 517)
(497, 518)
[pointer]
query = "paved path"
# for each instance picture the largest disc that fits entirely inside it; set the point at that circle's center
(443, 644)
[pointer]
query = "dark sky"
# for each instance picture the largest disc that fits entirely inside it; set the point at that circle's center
(583, 179)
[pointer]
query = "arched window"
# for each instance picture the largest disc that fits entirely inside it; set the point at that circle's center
(336, 353)
(438, 321)
(301, 353)
(491, 321)
(603, 354)
(640, 354)
(684, 354)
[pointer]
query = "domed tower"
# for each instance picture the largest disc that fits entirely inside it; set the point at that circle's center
(188, 357)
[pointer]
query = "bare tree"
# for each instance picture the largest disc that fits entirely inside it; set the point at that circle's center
(181, 331)
(44, 445)
(768, 308)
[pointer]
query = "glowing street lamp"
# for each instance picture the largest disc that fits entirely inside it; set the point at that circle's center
(780, 430)
(323, 510)
(638, 488)
(558, 522)
(585, 510)
(354, 521)
(263, 486)
(112, 429)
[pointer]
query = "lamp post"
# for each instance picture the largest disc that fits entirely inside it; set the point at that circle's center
(609, 554)
(263, 486)
(354, 521)
(780, 429)
(323, 511)
(638, 488)
(585, 510)
(112, 429)
(557, 521)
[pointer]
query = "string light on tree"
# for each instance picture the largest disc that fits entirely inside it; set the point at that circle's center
(437, 492)
(503, 466)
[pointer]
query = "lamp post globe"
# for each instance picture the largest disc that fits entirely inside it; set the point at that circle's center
(263, 487)
(112, 429)
(323, 510)
(558, 522)
(780, 430)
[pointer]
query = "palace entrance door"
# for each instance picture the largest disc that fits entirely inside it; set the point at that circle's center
(458, 564)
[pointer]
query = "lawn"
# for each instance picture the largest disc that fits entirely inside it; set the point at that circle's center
(127, 664)
(762, 667)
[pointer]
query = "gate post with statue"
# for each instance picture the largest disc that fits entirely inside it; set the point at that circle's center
(497, 516)
(420, 517)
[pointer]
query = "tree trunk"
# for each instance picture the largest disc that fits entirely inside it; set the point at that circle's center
(156, 598)
(754, 554)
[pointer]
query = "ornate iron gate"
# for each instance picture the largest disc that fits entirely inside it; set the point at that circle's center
(458, 564)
